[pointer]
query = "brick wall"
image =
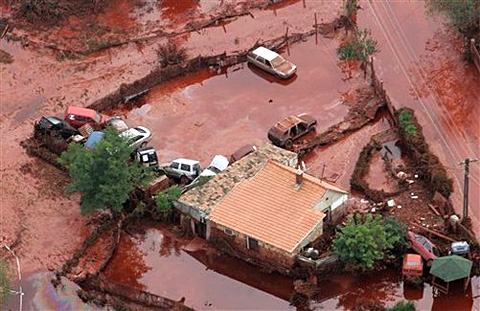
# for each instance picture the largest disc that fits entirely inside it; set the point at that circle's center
(266, 255)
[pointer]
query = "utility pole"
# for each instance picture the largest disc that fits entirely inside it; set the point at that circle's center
(466, 164)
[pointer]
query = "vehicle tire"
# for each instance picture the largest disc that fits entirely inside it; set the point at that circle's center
(288, 144)
(183, 180)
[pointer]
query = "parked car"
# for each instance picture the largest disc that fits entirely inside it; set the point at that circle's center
(242, 152)
(423, 246)
(286, 131)
(94, 139)
(78, 116)
(147, 157)
(137, 137)
(461, 248)
(218, 164)
(412, 267)
(118, 124)
(54, 126)
(272, 62)
(184, 170)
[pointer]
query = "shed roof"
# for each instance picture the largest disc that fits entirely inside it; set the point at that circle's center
(265, 53)
(451, 268)
(271, 208)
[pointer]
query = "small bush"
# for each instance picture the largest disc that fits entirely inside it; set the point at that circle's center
(403, 306)
(360, 48)
(164, 201)
(171, 54)
(4, 282)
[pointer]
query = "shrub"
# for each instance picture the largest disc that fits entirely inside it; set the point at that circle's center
(360, 48)
(403, 306)
(365, 240)
(171, 54)
(4, 282)
(426, 163)
(164, 200)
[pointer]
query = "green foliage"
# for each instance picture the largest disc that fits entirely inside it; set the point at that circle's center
(4, 282)
(105, 176)
(171, 54)
(396, 232)
(406, 123)
(365, 240)
(164, 201)
(360, 48)
(462, 14)
(403, 306)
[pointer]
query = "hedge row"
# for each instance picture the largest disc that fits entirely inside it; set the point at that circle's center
(426, 164)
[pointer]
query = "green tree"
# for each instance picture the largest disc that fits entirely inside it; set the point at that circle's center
(462, 14)
(164, 200)
(4, 282)
(360, 48)
(105, 176)
(364, 240)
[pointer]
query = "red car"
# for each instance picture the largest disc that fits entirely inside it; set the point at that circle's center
(78, 117)
(423, 246)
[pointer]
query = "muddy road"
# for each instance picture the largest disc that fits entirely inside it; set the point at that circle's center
(421, 63)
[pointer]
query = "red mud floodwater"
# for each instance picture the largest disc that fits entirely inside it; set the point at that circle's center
(160, 264)
(203, 114)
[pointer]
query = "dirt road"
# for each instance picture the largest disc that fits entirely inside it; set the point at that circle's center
(420, 61)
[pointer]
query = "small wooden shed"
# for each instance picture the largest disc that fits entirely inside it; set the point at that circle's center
(448, 269)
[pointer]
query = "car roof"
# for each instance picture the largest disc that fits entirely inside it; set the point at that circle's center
(186, 161)
(80, 111)
(287, 123)
(265, 53)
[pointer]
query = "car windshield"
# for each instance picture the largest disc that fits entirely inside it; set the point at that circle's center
(140, 130)
(277, 61)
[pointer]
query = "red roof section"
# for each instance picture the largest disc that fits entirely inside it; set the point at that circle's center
(271, 208)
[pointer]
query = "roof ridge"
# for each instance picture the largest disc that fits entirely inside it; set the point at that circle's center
(311, 178)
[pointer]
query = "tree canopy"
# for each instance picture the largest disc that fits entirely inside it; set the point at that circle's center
(364, 240)
(105, 176)
(462, 14)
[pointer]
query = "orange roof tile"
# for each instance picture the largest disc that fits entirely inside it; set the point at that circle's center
(270, 208)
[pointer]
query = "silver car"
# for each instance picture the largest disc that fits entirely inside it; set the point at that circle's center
(272, 62)
(137, 137)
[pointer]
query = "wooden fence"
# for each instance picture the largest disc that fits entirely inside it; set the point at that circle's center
(377, 85)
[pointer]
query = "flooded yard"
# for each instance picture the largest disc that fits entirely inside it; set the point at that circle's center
(207, 114)
(159, 263)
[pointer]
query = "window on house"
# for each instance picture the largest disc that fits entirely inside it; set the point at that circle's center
(252, 243)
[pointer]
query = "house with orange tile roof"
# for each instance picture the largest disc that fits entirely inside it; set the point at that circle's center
(268, 215)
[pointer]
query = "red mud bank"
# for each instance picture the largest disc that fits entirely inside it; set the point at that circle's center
(419, 56)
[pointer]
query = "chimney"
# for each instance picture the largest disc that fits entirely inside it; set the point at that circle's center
(298, 177)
